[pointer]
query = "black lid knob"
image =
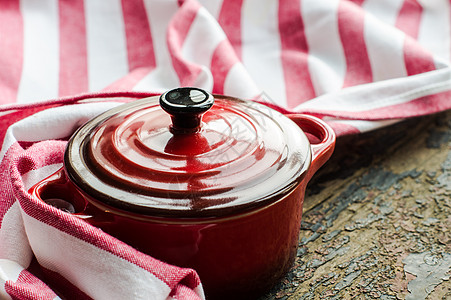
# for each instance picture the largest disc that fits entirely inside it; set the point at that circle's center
(186, 107)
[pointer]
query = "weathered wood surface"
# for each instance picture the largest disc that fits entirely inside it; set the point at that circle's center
(377, 218)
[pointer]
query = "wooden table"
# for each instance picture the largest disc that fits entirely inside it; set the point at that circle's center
(377, 218)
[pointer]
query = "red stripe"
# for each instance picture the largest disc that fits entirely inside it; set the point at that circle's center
(73, 76)
(351, 30)
(129, 81)
(416, 59)
(230, 21)
(140, 50)
(139, 39)
(28, 286)
(298, 84)
(222, 61)
(409, 18)
(177, 31)
(11, 49)
(7, 200)
(357, 2)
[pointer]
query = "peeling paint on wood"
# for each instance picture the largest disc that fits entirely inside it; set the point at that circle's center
(430, 270)
(377, 218)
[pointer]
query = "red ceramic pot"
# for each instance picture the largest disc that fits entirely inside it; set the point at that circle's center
(217, 187)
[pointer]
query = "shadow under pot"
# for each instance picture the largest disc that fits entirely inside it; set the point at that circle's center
(212, 183)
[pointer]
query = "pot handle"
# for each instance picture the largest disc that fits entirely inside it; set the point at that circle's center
(321, 137)
(58, 191)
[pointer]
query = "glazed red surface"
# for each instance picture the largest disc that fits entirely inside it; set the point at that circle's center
(238, 255)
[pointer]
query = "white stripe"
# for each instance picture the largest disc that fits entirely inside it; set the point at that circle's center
(212, 6)
(163, 77)
(327, 63)
(364, 126)
(13, 239)
(106, 43)
(382, 93)
(32, 177)
(98, 273)
(53, 123)
(199, 290)
(239, 84)
(204, 79)
(384, 10)
(202, 39)
(261, 48)
(434, 32)
(9, 270)
(384, 42)
(40, 71)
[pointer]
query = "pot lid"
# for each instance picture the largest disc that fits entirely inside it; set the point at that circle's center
(187, 154)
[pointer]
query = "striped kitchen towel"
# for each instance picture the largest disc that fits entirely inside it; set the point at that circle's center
(358, 65)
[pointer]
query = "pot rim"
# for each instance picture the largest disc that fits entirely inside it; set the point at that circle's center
(109, 194)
